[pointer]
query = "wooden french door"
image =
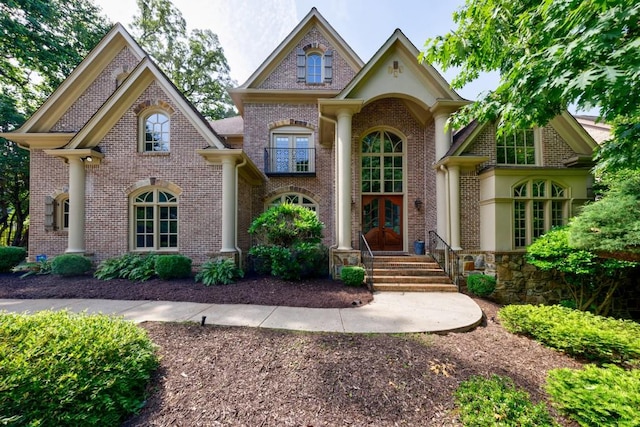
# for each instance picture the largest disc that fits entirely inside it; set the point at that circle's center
(382, 222)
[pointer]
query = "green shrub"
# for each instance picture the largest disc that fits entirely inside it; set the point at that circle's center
(578, 333)
(134, 267)
(291, 263)
(593, 396)
(66, 369)
(221, 271)
(173, 267)
(285, 225)
(481, 284)
(31, 268)
(352, 275)
(496, 401)
(10, 256)
(70, 265)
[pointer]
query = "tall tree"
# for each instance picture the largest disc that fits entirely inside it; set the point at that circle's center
(195, 62)
(41, 41)
(550, 54)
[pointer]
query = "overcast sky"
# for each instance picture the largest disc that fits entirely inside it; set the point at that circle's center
(249, 30)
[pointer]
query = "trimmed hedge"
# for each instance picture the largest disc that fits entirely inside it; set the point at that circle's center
(65, 369)
(593, 396)
(173, 267)
(11, 256)
(352, 275)
(578, 333)
(70, 265)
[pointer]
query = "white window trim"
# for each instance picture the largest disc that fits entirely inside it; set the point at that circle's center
(292, 132)
(280, 197)
(132, 221)
(142, 128)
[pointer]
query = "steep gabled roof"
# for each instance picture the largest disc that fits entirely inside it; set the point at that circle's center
(285, 47)
(79, 80)
(135, 84)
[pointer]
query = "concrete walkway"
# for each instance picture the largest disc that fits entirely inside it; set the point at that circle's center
(390, 312)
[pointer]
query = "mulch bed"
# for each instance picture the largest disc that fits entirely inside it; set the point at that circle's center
(319, 293)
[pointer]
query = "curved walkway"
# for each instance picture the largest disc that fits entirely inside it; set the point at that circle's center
(390, 312)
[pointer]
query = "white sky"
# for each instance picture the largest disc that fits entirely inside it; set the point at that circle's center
(249, 30)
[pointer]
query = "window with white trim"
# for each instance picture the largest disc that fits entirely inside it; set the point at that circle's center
(382, 157)
(294, 199)
(314, 64)
(62, 212)
(516, 148)
(291, 152)
(156, 134)
(538, 206)
(154, 220)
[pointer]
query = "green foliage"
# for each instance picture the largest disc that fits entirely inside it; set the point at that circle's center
(65, 369)
(481, 284)
(70, 265)
(549, 55)
(612, 224)
(352, 275)
(496, 401)
(593, 396)
(287, 224)
(173, 267)
(134, 267)
(194, 62)
(221, 271)
(591, 280)
(290, 263)
(33, 268)
(11, 256)
(578, 333)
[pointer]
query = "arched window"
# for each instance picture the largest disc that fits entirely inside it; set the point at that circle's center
(538, 206)
(62, 212)
(156, 135)
(314, 64)
(314, 68)
(295, 199)
(154, 220)
(381, 161)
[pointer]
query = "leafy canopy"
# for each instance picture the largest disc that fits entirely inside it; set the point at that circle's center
(549, 54)
(195, 62)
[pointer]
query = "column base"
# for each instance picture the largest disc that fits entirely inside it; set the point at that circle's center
(339, 258)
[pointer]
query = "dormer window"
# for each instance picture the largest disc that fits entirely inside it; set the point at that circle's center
(156, 134)
(314, 64)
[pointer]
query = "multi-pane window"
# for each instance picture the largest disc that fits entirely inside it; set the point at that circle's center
(517, 148)
(155, 215)
(156, 133)
(382, 163)
(294, 199)
(290, 154)
(314, 64)
(314, 68)
(538, 206)
(64, 213)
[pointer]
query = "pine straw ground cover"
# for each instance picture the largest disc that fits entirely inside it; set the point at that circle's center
(215, 376)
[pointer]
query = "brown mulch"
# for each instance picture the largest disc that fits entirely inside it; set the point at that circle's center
(231, 376)
(319, 293)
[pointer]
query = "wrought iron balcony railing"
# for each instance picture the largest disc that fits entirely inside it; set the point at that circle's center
(290, 161)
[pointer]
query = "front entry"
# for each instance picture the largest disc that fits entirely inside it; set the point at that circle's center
(382, 222)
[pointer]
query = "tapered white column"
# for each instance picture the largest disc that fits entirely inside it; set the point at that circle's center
(228, 204)
(344, 179)
(454, 211)
(76, 241)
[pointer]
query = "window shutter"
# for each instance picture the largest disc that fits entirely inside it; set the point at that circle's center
(301, 65)
(48, 213)
(328, 66)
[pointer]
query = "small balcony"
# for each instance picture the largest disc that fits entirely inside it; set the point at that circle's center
(290, 161)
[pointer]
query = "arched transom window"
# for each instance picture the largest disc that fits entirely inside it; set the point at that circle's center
(156, 133)
(155, 220)
(382, 163)
(295, 199)
(538, 206)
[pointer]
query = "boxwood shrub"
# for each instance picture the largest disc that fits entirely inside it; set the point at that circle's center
(70, 265)
(481, 284)
(593, 396)
(64, 369)
(352, 275)
(11, 256)
(578, 333)
(173, 267)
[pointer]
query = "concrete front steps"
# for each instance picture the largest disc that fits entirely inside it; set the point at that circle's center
(410, 273)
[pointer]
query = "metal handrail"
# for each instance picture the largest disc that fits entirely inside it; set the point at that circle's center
(446, 257)
(289, 160)
(366, 255)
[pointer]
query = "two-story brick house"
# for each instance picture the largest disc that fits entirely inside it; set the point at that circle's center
(122, 162)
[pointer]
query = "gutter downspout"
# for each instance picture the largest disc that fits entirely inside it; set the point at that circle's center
(238, 166)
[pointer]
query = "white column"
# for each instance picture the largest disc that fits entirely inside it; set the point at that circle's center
(76, 241)
(344, 180)
(442, 145)
(454, 200)
(228, 205)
